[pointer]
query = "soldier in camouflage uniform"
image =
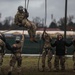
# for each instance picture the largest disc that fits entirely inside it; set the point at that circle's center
(46, 50)
(60, 45)
(3, 45)
(16, 57)
(2, 48)
(74, 55)
(21, 20)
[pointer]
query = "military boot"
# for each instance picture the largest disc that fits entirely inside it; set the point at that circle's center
(9, 73)
(43, 68)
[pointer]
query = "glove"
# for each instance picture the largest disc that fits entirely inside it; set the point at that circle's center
(25, 10)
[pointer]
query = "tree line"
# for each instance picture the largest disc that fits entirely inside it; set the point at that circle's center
(8, 23)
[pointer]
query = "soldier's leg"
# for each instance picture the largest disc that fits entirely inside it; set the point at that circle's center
(31, 28)
(49, 59)
(12, 64)
(19, 63)
(1, 61)
(32, 32)
(43, 59)
(74, 60)
(56, 62)
(62, 62)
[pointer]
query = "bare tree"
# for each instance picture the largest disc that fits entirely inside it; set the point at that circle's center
(39, 22)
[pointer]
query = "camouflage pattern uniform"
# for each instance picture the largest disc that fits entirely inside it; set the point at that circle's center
(21, 20)
(62, 62)
(46, 50)
(74, 60)
(2, 47)
(16, 57)
(74, 55)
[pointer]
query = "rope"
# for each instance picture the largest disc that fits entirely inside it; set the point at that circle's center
(39, 55)
(45, 26)
(45, 11)
(26, 4)
(23, 29)
(22, 43)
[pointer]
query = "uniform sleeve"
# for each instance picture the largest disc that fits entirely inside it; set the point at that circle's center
(3, 37)
(26, 13)
(53, 44)
(16, 20)
(9, 47)
(68, 44)
(43, 35)
(14, 47)
(4, 47)
(22, 41)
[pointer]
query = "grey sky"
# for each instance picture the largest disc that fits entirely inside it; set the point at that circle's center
(36, 8)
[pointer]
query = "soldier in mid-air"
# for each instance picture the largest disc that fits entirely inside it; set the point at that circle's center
(21, 19)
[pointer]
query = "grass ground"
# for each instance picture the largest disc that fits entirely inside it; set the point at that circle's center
(29, 67)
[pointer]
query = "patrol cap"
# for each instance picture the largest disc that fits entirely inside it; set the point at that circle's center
(18, 38)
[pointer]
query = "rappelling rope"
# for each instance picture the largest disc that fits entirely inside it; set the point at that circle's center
(40, 40)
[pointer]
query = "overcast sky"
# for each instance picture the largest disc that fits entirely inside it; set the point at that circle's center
(36, 8)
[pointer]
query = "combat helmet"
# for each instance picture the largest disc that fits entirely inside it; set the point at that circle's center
(20, 8)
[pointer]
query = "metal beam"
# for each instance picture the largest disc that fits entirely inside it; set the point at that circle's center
(65, 19)
(45, 11)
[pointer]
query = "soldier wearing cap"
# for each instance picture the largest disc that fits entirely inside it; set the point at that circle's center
(16, 57)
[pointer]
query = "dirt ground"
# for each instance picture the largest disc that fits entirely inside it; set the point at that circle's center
(30, 67)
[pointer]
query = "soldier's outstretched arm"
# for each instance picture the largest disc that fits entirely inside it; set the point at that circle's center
(2, 36)
(43, 35)
(8, 46)
(68, 44)
(16, 20)
(22, 41)
(22, 36)
(26, 13)
(54, 44)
